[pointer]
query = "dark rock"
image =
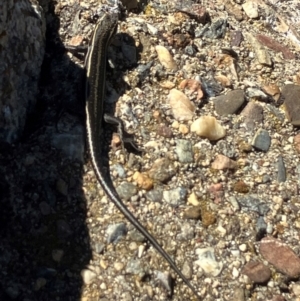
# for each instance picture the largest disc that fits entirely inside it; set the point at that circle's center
(230, 103)
(261, 228)
(281, 176)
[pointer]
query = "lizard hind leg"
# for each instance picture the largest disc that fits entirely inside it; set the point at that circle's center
(126, 138)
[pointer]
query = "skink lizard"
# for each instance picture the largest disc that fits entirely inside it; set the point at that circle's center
(95, 65)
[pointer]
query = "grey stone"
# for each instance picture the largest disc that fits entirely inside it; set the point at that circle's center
(261, 227)
(116, 232)
(134, 266)
(126, 190)
(212, 30)
(154, 195)
(162, 170)
(270, 108)
(281, 175)
(266, 179)
(165, 279)
(143, 71)
(190, 50)
(256, 93)
(136, 235)
(262, 140)
(184, 151)
(175, 197)
(226, 149)
(253, 203)
(119, 169)
(230, 103)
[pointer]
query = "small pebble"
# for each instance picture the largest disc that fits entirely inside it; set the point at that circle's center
(251, 9)
(88, 276)
(183, 109)
(281, 256)
(257, 272)
(116, 232)
(165, 58)
(208, 263)
(208, 127)
(222, 162)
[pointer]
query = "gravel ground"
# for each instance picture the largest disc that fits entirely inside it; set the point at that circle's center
(210, 91)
